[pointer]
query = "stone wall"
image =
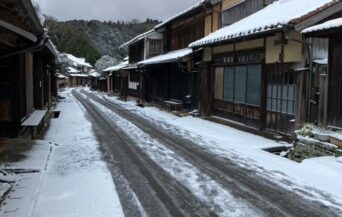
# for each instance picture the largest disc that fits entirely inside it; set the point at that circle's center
(313, 142)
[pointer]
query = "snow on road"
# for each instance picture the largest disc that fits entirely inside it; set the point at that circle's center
(317, 179)
(202, 186)
(77, 182)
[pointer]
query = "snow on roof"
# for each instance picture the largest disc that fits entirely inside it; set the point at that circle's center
(321, 62)
(60, 76)
(117, 67)
(275, 16)
(168, 57)
(95, 74)
(324, 26)
(194, 7)
(78, 61)
(79, 75)
(72, 70)
(137, 38)
(51, 46)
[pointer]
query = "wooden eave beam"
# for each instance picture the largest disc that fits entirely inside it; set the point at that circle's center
(318, 16)
(8, 39)
(18, 31)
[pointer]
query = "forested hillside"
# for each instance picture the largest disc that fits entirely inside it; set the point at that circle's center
(93, 39)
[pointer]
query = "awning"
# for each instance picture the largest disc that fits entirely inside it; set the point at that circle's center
(172, 56)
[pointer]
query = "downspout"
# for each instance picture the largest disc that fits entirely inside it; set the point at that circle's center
(282, 56)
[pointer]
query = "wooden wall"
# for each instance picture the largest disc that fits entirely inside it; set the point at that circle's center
(181, 33)
(335, 82)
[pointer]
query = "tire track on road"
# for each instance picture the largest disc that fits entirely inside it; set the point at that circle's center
(160, 194)
(241, 182)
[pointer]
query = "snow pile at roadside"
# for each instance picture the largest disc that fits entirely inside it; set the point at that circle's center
(316, 179)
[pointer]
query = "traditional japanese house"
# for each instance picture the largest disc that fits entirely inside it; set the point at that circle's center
(62, 81)
(118, 79)
(173, 77)
(329, 81)
(142, 47)
(78, 80)
(76, 63)
(102, 83)
(93, 80)
(255, 70)
(27, 66)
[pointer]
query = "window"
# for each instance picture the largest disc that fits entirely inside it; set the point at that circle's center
(155, 47)
(242, 84)
(229, 83)
(254, 84)
(281, 93)
(233, 14)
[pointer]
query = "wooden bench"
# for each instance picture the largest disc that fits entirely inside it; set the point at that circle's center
(34, 120)
(172, 103)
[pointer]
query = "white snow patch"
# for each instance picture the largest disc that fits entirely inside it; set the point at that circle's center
(335, 23)
(168, 57)
(117, 67)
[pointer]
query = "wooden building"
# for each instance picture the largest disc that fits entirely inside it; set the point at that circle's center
(174, 76)
(78, 80)
(255, 70)
(62, 81)
(141, 47)
(330, 81)
(79, 64)
(117, 81)
(93, 80)
(27, 66)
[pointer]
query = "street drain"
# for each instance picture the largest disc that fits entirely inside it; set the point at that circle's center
(56, 114)
(280, 151)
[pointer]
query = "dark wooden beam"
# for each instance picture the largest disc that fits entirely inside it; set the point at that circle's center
(8, 39)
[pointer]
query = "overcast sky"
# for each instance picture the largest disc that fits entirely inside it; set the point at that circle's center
(113, 9)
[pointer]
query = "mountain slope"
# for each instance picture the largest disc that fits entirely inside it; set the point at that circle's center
(93, 39)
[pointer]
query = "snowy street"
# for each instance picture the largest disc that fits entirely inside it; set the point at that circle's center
(112, 158)
(170, 171)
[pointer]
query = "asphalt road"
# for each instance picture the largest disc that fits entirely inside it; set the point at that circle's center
(146, 189)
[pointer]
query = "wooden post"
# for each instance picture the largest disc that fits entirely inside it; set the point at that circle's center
(205, 98)
(301, 98)
(322, 109)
